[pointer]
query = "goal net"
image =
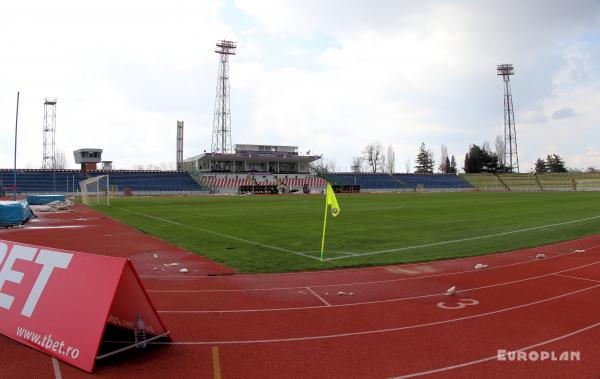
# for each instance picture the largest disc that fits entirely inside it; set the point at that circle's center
(95, 190)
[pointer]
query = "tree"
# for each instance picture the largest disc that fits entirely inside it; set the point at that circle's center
(540, 166)
(390, 160)
(555, 163)
(473, 159)
(444, 161)
(453, 169)
(357, 164)
(424, 160)
(60, 162)
(500, 151)
(407, 163)
(480, 159)
(373, 155)
(322, 166)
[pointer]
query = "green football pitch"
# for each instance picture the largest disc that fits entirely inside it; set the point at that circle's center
(283, 233)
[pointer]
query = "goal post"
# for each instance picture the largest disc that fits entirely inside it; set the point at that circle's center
(95, 190)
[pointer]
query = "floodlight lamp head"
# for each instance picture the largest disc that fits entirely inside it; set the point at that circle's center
(505, 69)
(226, 47)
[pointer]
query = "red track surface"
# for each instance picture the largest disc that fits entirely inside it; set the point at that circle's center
(372, 322)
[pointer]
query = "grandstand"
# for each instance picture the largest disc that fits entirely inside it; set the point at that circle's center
(366, 181)
(535, 182)
(484, 182)
(258, 165)
(230, 184)
(434, 182)
(520, 182)
(121, 181)
(142, 182)
(400, 182)
(587, 181)
(556, 182)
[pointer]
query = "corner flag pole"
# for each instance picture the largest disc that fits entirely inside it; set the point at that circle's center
(330, 200)
(324, 227)
(15, 167)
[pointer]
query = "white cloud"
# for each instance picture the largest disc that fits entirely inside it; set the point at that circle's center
(327, 76)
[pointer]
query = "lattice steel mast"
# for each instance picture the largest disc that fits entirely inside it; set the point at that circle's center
(511, 156)
(49, 157)
(221, 138)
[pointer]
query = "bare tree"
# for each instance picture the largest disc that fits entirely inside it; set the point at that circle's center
(331, 166)
(322, 166)
(390, 160)
(60, 161)
(357, 164)
(408, 166)
(373, 155)
(500, 150)
(485, 146)
(444, 161)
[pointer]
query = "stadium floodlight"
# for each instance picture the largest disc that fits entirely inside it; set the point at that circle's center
(505, 69)
(226, 47)
(221, 138)
(510, 158)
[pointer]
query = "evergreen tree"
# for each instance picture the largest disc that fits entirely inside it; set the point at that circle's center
(453, 169)
(424, 161)
(481, 160)
(540, 166)
(554, 163)
(473, 162)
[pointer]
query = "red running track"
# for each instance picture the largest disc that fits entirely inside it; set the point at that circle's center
(382, 322)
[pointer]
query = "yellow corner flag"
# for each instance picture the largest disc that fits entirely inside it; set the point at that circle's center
(330, 201)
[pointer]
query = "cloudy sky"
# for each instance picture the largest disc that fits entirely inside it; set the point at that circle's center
(328, 76)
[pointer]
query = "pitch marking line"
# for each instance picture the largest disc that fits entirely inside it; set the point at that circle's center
(380, 331)
(542, 343)
(221, 234)
(379, 301)
(464, 239)
(354, 283)
(318, 297)
(384, 267)
(216, 362)
(56, 367)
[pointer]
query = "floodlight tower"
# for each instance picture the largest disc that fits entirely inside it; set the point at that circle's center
(221, 138)
(511, 156)
(49, 159)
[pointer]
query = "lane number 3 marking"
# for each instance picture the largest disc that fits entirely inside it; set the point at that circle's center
(461, 304)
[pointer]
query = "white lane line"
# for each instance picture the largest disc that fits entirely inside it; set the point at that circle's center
(221, 234)
(379, 331)
(464, 239)
(385, 267)
(378, 301)
(57, 227)
(318, 297)
(57, 373)
(576, 277)
(542, 343)
(366, 282)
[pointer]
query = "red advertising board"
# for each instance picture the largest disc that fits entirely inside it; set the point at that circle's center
(59, 302)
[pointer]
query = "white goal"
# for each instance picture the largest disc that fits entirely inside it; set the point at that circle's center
(95, 190)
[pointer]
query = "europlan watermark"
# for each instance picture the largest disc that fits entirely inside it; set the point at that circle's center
(538, 356)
